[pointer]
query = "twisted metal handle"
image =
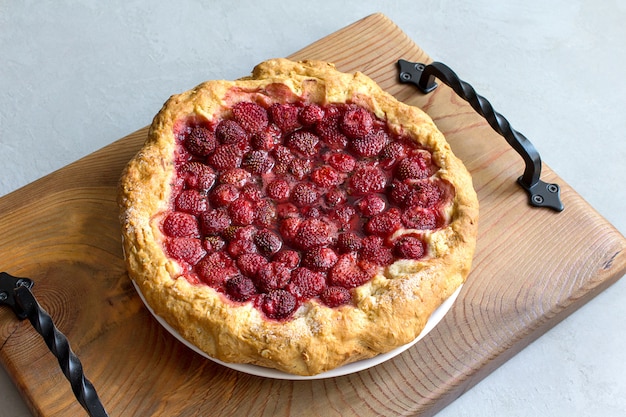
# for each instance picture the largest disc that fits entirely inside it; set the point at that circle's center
(59, 346)
(16, 293)
(541, 194)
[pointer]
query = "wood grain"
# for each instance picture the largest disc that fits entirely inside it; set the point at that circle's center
(533, 267)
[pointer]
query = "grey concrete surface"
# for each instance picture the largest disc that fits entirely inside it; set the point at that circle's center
(75, 76)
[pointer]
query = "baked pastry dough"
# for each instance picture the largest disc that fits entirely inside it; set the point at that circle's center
(299, 219)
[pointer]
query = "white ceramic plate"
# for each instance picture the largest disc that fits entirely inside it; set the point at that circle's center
(350, 368)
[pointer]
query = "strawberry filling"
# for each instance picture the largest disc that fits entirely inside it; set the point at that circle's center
(279, 203)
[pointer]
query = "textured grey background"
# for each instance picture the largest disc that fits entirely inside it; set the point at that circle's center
(75, 76)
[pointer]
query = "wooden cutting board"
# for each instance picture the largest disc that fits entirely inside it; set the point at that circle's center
(533, 267)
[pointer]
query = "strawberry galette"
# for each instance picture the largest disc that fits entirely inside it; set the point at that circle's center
(298, 219)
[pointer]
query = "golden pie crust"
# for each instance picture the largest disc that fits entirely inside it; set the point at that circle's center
(387, 312)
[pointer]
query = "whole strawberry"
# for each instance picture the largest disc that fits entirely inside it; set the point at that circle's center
(178, 224)
(251, 116)
(306, 283)
(278, 304)
(240, 288)
(201, 141)
(356, 122)
(336, 296)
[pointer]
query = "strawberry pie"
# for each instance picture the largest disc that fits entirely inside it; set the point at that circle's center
(299, 219)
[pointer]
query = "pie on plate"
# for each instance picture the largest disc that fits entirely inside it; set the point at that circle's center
(299, 219)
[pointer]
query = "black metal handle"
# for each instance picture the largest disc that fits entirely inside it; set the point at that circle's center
(541, 194)
(16, 293)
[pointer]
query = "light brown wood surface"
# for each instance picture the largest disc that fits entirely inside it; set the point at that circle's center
(533, 267)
